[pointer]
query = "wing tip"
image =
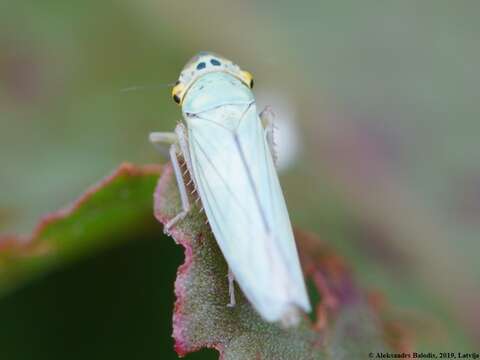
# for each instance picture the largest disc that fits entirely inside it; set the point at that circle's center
(293, 314)
(291, 317)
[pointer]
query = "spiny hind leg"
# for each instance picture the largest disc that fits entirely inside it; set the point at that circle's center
(181, 188)
(231, 289)
(181, 133)
(182, 137)
(174, 139)
(267, 116)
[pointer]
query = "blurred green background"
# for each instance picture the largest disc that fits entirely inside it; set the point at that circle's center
(383, 95)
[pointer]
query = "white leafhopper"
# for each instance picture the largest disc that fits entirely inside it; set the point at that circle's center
(230, 157)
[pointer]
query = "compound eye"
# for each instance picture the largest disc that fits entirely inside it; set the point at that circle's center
(247, 78)
(177, 92)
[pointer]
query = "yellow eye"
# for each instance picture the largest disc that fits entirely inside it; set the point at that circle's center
(177, 93)
(247, 78)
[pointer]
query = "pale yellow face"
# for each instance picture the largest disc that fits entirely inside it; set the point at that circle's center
(204, 63)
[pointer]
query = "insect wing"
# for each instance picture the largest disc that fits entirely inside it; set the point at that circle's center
(239, 188)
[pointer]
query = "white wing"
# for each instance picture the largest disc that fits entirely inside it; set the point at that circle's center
(240, 192)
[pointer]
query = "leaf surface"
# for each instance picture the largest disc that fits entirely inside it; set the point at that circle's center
(347, 325)
(104, 215)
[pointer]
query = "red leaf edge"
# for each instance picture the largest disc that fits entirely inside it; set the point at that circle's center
(8, 241)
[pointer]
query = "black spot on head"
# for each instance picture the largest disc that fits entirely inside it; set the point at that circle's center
(215, 62)
(201, 66)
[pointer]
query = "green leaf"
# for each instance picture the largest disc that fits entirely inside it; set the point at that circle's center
(119, 208)
(103, 216)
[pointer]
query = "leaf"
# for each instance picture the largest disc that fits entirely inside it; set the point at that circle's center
(100, 218)
(119, 208)
(347, 325)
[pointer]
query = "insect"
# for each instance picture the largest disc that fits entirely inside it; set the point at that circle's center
(230, 156)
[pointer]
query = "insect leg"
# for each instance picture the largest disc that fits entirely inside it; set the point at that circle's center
(231, 289)
(161, 140)
(267, 116)
(183, 143)
(181, 188)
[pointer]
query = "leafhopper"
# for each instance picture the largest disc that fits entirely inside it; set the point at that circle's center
(230, 156)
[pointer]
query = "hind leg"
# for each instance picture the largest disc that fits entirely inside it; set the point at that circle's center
(160, 139)
(231, 289)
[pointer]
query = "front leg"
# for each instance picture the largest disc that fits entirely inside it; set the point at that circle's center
(163, 140)
(267, 116)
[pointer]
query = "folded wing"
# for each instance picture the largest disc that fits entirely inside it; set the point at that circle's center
(240, 192)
